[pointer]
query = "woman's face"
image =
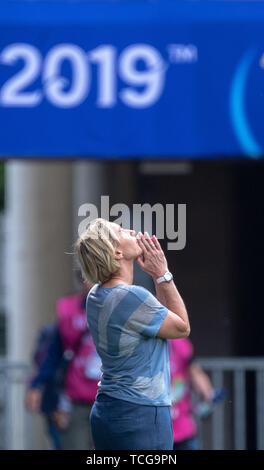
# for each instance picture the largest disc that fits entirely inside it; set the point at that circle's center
(127, 242)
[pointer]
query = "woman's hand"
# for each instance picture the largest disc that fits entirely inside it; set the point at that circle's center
(201, 382)
(152, 260)
(61, 419)
(33, 400)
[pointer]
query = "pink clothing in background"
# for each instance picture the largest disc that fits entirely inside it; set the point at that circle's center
(84, 370)
(180, 355)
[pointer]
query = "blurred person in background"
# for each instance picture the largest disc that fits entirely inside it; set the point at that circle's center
(185, 376)
(41, 395)
(72, 357)
(130, 328)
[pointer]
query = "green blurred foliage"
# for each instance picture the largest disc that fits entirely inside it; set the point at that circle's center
(2, 186)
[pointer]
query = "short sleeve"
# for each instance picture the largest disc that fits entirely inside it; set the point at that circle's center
(149, 314)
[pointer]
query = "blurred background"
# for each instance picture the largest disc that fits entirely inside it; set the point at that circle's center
(146, 102)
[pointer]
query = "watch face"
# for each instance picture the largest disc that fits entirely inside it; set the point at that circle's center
(168, 276)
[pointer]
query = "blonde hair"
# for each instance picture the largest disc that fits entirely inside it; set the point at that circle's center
(95, 250)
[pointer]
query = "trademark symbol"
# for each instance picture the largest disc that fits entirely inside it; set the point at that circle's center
(182, 53)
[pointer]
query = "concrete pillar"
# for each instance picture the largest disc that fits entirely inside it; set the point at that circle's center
(38, 233)
(89, 185)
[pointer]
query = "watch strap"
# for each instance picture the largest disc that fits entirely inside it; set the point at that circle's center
(163, 278)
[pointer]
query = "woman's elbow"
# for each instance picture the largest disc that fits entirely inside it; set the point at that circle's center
(183, 332)
(186, 331)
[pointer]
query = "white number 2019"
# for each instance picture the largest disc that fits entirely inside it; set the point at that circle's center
(143, 87)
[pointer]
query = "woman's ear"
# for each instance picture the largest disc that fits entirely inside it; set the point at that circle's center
(118, 254)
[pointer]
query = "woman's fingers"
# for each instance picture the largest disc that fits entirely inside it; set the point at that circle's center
(148, 244)
(149, 241)
(156, 242)
(142, 244)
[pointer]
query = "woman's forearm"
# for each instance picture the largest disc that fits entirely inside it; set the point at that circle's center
(169, 296)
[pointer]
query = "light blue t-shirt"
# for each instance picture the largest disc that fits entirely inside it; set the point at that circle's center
(124, 321)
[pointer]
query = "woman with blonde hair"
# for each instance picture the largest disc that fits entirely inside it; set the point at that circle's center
(130, 328)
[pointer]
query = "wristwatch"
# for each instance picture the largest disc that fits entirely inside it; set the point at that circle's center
(166, 278)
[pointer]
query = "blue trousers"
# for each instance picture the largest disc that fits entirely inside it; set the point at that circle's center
(121, 425)
(188, 444)
(54, 433)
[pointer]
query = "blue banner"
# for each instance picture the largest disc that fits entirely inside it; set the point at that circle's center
(132, 79)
